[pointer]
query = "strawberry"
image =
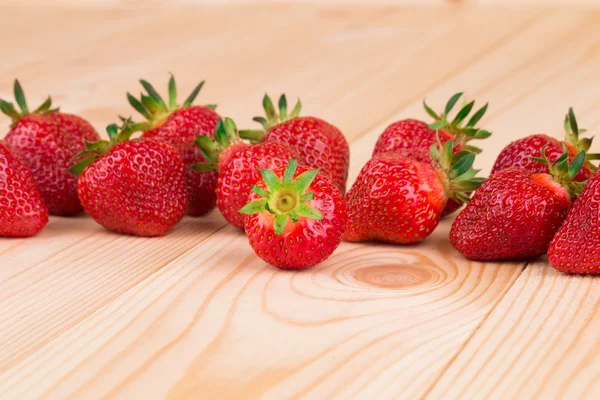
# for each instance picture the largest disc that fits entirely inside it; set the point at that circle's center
(397, 199)
(47, 140)
(515, 213)
(413, 138)
(295, 217)
(576, 246)
(135, 187)
(317, 143)
(179, 126)
(22, 212)
(519, 152)
(238, 165)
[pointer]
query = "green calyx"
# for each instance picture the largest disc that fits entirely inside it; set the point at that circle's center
(287, 198)
(15, 115)
(456, 126)
(226, 135)
(572, 132)
(94, 150)
(273, 117)
(563, 171)
(152, 106)
(458, 169)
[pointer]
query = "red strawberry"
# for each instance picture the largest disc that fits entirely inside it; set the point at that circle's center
(238, 165)
(515, 213)
(179, 126)
(576, 246)
(47, 140)
(397, 199)
(296, 217)
(413, 138)
(134, 187)
(22, 210)
(317, 143)
(519, 152)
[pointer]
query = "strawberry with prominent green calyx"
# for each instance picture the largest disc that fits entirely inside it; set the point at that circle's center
(134, 186)
(22, 210)
(219, 151)
(295, 218)
(179, 125)
(520, 152)
(46, 139)
(414, 138)
(317, 143)
(575, 248)
(397, 199)
(515, 213)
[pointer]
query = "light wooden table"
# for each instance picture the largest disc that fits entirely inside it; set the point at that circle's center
(85, 313)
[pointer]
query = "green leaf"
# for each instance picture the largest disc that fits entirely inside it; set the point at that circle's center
(560, 159)
(473, 149)
(208, 147)
(280, 223)
(254, 135)
(452, 102)
(9, 109)
(154, 94)
(261, 120)
(254, 207)
(269, 108)
(464, 164)
(150, 104)
(282, 107)
(289, 172)
(477, 116)
(230, 129)
(593, 156)
(586, 143)
(192, 96)
(468, 175)
(303, 181)
(482, 134)
(78, 168)
(540, 160)
(20, 97)
(211, 106)
(309, 212)
(271, 180)
(438, 124)
(44, 106)
(112, 131)
(139, 107)
(573, 122)
(260, 191)
(172, 93)
(296, 110)
(430, 111)
(307, 197)
(293, 216)
(462, 114)
(457, 156)
(576, 165)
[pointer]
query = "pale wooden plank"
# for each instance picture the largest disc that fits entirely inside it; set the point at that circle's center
(217, 322)
(540, 342)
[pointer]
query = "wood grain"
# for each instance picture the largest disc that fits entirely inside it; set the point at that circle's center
(85, 313)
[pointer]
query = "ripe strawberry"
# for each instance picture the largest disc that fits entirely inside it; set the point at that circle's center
(317, 143)
(296, 217)
(397, 199)
(47, 140)
(515, 213)
(238, 165)
(179, 126)
(135, 187)
(575, 247)
(22, 210)
(413, 138)
(519, 152)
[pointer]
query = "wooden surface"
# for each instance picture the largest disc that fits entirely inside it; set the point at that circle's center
(85, 313)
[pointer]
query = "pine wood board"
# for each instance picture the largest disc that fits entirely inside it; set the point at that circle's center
(85, 313)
